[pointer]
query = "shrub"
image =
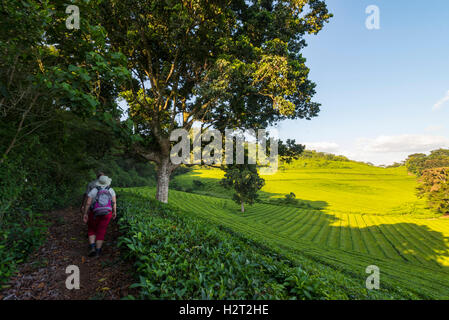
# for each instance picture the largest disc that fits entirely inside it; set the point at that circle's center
(22, 232)
(198, 184)
(12, 180)
(290, 198)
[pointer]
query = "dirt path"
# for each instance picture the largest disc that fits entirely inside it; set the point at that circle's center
(44, 277)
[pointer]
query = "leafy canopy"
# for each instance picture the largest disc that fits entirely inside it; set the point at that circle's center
(227, 64)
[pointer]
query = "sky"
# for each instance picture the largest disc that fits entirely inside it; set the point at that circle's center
(384, 93)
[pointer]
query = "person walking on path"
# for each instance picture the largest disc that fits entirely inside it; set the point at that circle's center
(101, 206)
(90, 186)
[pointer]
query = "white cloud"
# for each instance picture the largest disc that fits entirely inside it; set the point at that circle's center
(441, 102)
(383, 149)
(434, 128)
(402, 143)
(323, 146)
(384, 158)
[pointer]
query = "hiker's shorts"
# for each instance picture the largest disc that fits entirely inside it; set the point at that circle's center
(97, 226)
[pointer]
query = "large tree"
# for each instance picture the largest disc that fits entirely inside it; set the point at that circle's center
(51, 80)
(245, 181)
(244, 178)
(226, 64)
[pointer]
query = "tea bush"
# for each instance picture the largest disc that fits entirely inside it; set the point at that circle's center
(178, 257)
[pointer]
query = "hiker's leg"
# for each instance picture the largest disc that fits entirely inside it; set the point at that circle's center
(99, 244)
(102, 225)
(91, 228)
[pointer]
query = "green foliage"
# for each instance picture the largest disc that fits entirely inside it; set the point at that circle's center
(290, 150)
(434, 186)
(42, 72)
(395, 165)
(179, 257)
(418, 162)
(226, 65)
(314, 159)
(21, 232)
(124, 171)
(198, 184)
(12, 181)
(415, 162)
(244, 180)
(340, 186)
(290, 198)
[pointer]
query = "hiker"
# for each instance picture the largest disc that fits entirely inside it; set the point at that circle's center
(90, 186)
(101, 206)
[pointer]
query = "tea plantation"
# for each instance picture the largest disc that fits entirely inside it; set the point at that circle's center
(347, 216)
(183, 254)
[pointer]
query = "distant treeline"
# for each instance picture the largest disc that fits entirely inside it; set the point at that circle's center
(418, 162)
(315, 159)
(311, 154)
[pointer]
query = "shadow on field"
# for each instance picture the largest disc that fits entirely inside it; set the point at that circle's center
(411, 242)
(403, 241)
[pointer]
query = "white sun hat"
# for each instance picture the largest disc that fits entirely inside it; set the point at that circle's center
(103, 181)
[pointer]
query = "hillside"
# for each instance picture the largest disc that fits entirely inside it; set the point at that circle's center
(350, 215)
(340, 186)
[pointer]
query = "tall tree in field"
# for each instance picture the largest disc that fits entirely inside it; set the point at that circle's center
(245, 181)
(226, 64)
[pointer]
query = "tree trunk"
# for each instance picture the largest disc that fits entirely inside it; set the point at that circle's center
(242, 207)
(163, 179)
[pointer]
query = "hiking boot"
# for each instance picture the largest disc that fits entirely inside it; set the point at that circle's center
(92, 252)
(97, 253)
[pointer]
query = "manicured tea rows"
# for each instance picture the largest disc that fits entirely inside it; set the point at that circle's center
(410, 252)
(182, 257)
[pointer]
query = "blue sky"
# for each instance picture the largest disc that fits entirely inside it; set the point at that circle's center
(384, 93)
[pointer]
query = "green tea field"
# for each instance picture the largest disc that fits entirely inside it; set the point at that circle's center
(350, 216)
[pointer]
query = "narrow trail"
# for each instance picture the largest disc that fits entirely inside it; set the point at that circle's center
(43, 276)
